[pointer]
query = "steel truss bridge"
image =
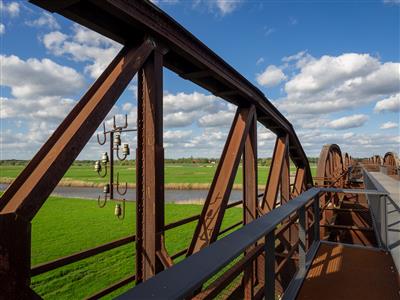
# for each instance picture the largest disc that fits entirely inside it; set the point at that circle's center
(334, 236)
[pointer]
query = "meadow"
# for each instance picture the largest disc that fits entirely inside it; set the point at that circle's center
(177, 176)
(65, 226)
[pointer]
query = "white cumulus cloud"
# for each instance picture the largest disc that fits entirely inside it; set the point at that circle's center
(45, 20)
(34, 78)
(271, 76)
(12, 8)
(389, 104)
(220, 118)
(348, 122)
(83, 45)
(2, 29)
(389, 125)
(334, 83)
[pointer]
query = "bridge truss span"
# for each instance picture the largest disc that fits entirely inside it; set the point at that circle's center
(152, 40)
(281, 228)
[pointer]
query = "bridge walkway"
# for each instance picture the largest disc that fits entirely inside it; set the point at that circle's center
(342, 271)
(391, 184)
(350, 265)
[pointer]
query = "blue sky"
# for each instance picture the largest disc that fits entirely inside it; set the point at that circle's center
(332, 67)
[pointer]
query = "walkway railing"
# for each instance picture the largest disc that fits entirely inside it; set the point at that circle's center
(378, 207)
(186, 277)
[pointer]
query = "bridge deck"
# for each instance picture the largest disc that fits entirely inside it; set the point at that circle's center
(392, 185)
(348, 272)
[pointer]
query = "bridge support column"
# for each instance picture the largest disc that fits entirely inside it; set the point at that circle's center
(150, 169)
(250, 201)
(15, 258)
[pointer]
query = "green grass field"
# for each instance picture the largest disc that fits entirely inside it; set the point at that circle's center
(65, 226)
(174, 173)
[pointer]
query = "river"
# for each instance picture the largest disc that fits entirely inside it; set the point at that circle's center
(170, 195)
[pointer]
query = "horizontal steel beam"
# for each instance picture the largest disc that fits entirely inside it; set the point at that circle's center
(66, 260)
(112, 287)
(353, 191)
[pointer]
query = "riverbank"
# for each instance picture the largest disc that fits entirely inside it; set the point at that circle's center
(194, 196)
(168, 186)
(177, 176)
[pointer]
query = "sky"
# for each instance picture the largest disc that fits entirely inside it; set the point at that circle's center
(331, 67)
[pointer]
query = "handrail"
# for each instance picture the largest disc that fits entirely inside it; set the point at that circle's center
(180, 280)
(378, 211)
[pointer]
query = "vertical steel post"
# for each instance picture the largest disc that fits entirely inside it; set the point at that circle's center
(269, 267)
(383, 219)
(150, 173)
(316, 218)
(250, 199)
(302, 239)
(15, 258)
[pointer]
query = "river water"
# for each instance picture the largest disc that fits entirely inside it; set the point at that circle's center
(170, 195)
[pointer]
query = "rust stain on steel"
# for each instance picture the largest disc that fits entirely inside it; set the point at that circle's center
(213, 211)
(29, 191)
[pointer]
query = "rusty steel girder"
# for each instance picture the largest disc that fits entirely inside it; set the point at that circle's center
(330, 166)
(392, 163)
(152, 40)
(331, 172)
(24, 197)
